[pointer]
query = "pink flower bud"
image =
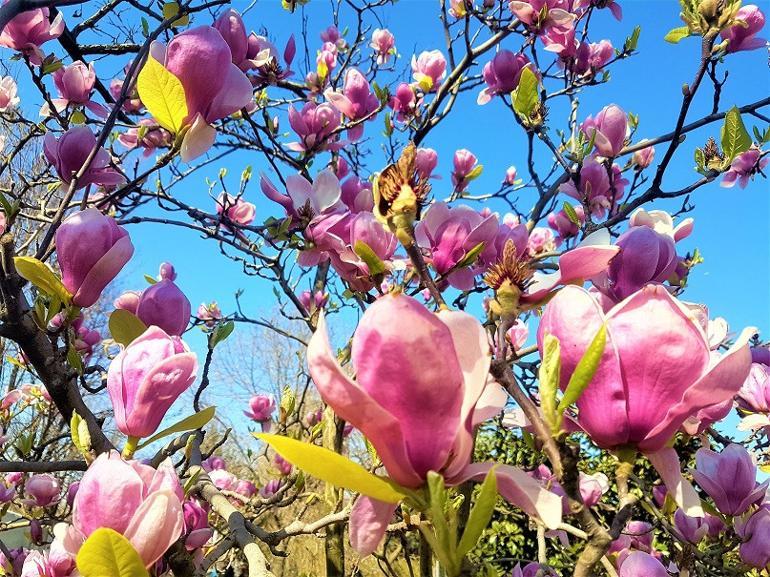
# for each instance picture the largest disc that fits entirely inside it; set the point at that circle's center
(518, 334)
(609, 130)
(146, 378)
(563, 225)
(237, 210)
(68, 154)
(313, 301)
(72, 491)
(166, 306)
(465, 163)
(591, 57)
(36, 532)
(383, 44)
(314, 125)
(8, 94)
(429, 69)
(643, 158)
(744, 167)
(210, 313)
(91, 249)
(261, 408)
(404, 102)
(755, 549)
(502, 74)
(283, 466)
(270, 488)
(128, 301)
(540, 240)
(75, 84)
(425, 162)
(42, 489)
(510, 176)
(139, 502)
(641, 564)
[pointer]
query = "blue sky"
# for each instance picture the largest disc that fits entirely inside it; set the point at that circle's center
(731, 225)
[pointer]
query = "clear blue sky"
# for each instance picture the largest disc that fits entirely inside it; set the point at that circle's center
(731, 227)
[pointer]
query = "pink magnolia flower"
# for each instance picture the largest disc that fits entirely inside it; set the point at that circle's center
(608, 129)
(56, 562)
(214, 87)
(326, 60)
(418, 420)
(270, 488)
(196, 524)
(630, 400)
(91, 250)
(466, 168)
(313, 301)
(28, 31)
(540, 240)
(230, 25)
(429, 69)
(502, 74)
(591, 57)
(263, 58)
(753, 532)
(304, 199)
(595, 187)
(356, 101)
(139, 502)
(145, 379)
(510, 176)
(384, 45)
(533, 570)
(541, 15)
(644, 157)
(450, 233)
(333, 36)
(564, 226)
(68, 153)
(148, 135)
(695, 529)
(404, 102)
(163, 305)
(646, 256)
(43, 490)
(261, 409)
(8, 94)
(315, 125)
(425, 162)
(356, 194)
(743, 167)
(612, 5)
(209, 313)
(743, 34)
(75, 85)
(365, 228)
(236, 210)
(729, 478)
(641, 564)
(85, 339)
(662, 222)
(518, 334)
(132, 104)
(282, 465)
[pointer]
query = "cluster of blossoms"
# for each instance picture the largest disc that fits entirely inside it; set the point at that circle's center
(420, 387)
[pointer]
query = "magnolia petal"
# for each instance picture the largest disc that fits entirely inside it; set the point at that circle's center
(666, 463)
(198, 139)
(369, 520)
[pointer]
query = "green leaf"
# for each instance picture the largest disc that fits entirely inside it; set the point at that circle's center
(443, 543)
(221, 333)
(150, 279)
(584, 371)
(549, 376)
(373, 262)
(333, 468)
(525, 97)
(700, 161)
(107, 553)
(40, 275)
(471, 256)
(633, 40)
(735, 137)
(74, 359)
(196, 421)
(162, 94)
(479, 516)
(81, 436)
(125, 326)
(677, 34)
(475, 173)
(573, 217)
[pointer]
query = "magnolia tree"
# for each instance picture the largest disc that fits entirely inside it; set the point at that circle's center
(432, 439)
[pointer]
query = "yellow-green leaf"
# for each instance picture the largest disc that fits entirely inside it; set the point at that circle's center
(367, 254)
(479, 516)
(549, 377)
(40, 275)
(107, 553)
(735, 137)
(162, 94)
(333, 468)
(171, 9)
(190, 423)
(584, 371)
(677, 34)
(125, 326)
